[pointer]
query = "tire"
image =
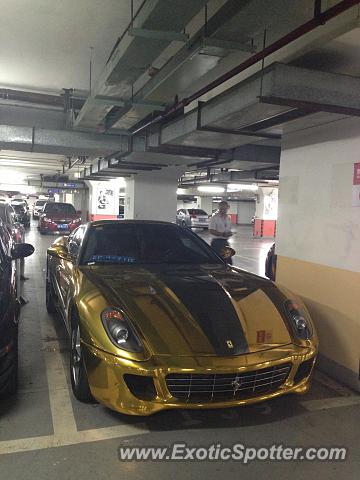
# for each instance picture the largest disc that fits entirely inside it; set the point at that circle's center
(42, 232)
(11, 386)
(50, 298)
(78, 375)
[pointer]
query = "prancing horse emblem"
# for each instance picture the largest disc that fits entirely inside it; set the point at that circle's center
(236, 384)
(229, 344)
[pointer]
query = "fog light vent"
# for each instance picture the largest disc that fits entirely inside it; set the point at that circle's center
(141, 387)
(304, 370)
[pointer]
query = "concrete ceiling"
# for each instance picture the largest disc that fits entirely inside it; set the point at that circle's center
(45, 44)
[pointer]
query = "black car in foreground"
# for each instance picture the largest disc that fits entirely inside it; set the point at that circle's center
(9, 309)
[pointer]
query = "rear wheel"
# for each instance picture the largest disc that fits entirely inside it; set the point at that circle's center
(79, 380)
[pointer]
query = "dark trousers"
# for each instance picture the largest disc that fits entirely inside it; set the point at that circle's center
(218, 244)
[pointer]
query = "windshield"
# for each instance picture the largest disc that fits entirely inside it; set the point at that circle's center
(18, 208)
(59, 208)
(197, 211)
(121, 243)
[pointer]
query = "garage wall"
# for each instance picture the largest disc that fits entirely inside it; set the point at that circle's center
(318, 238)
(245, 212)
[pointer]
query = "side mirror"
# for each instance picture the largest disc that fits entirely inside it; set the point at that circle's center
(227, 252)
(59, 251)
(22, 250)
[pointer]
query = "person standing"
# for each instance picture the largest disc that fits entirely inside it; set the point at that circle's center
(220, 229)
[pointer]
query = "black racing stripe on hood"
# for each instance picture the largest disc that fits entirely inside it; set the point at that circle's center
(211, 308)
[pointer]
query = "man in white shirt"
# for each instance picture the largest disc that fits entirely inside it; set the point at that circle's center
(220, 228)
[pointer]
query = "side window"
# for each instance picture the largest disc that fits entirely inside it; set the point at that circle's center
(75, 240)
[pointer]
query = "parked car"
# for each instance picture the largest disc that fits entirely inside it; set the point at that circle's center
(8, 216)
(58, 217)
(19, 201)
(38, 206)
(22, 214)
(157, 320)
(9, 309)
(270, 263)
(192, 218)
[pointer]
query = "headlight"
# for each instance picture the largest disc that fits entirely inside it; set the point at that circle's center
(47, 220)
(119, 330)
(76, 220)
(299, 319)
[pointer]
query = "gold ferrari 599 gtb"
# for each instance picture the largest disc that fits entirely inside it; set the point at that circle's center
(157, 320)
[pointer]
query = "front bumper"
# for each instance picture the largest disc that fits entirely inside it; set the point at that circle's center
(54, 228)
(106, 377)
(199, 224)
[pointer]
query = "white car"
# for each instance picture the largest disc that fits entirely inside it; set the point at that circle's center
(38, 208)
(192, 218)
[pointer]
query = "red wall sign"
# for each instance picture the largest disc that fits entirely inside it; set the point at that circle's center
(356, 180)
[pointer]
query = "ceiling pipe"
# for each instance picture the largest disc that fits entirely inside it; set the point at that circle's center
(317, 20)
(44, 99)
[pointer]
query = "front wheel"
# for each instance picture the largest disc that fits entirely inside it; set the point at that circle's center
(10, 385)
(79, 380)
(50, 298)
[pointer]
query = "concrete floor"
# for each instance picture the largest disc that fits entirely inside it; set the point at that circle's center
(45, 432)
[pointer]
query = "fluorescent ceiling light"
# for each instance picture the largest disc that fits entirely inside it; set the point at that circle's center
(211, 189)
(181, 191)
(239, 187)
(13, 177)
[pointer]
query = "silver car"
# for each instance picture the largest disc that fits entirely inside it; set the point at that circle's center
(38, 208)
(192, 218)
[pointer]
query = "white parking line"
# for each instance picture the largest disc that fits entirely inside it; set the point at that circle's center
(64, 424)
(54, 441)
(327, 403)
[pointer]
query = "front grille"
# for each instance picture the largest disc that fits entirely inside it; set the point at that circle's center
(227, 386)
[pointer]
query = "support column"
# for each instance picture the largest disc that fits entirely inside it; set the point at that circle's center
(318, 238)
(103, 199)
(266, 212)
(152, 195)
(205, 203)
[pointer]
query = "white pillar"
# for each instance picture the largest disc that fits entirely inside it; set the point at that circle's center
(152, 195)
(103, 199)
(205, 203)
(266, 212)
(318, 238)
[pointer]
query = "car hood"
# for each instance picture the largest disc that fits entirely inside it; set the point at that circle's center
(196, 310)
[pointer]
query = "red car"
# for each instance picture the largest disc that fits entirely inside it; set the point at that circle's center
(58, 218)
